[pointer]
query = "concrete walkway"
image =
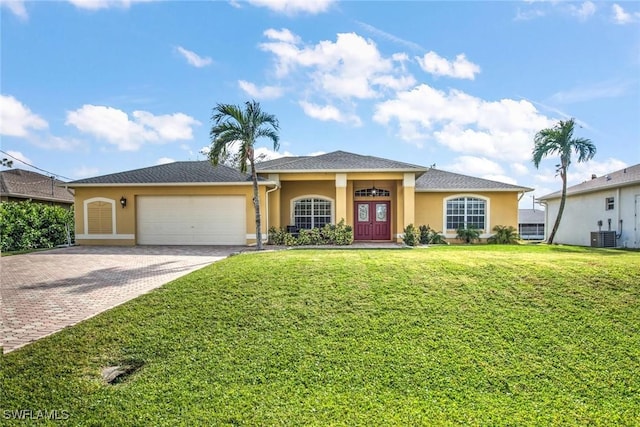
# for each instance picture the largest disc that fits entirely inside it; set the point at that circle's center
(43, 292)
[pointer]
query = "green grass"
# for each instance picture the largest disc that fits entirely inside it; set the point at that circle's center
(475, 335)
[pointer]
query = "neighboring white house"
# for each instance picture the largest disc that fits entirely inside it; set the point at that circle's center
(531, 224)
(609, 205)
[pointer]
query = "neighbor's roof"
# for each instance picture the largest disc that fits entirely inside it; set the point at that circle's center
(337, 161)
(530, 216)
(191, 172)
(23, 184)
(622, 178)
(439, 180)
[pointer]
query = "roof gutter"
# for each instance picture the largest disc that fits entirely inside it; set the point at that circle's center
(169, 184)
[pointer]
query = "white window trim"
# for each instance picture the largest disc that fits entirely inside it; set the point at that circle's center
(487, 216)
(86, 217)
(292, 219)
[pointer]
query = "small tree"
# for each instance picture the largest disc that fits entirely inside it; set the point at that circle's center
(468, 235)
(559, 140)
(234, 125)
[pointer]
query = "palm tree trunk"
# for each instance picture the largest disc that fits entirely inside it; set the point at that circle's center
(256, 204)
(563, 199)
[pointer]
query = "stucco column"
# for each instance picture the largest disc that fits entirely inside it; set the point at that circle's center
(341, 197)
(273, 202)
(409, 187)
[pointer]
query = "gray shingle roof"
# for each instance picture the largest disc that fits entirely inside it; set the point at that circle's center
(622, 178)
(531, 216)
(335, 161)
(171, 173)
(23, 184)
(439, 180)
(203, 172)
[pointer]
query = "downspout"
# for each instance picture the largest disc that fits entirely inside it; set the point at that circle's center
(618, 202)
(546, 217)
(266, 196)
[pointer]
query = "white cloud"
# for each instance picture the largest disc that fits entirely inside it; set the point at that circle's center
(599, 90)
(16, 7)
(622, 17)
(85, 172)
(578, 173)
(105, 4)
(501, 129)
(473, 165)
(584, 11)
(390, 37)
(117, 128)
(519, 169)
(18, 156)
(283, 35)
(528, 15)
(265, 92)
(164, 160)
(292, 7)
(350, 67)
(193, 58)
(16, 119)
(460, 68)
(328, 113)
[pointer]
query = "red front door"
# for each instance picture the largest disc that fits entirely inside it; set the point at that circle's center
(372, 221)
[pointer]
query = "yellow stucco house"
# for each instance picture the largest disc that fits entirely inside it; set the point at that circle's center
(195, 203)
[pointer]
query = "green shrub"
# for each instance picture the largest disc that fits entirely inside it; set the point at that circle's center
(436, 238)
(505, 235)
(28, 225)
(425, 234)
(330, 234)
(411, 236)
(276, 236)
(468, 235)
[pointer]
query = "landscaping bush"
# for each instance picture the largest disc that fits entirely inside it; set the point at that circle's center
(505, 235)
(425, 232)
(430, 236)
(411, 235)
(467, 235)
(28, 225)
(330, 234)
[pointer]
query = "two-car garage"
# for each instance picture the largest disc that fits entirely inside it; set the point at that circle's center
(191, 220)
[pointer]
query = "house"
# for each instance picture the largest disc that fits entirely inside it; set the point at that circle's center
(531, 224)
(605, 208)
(21, 185)
(196, 203)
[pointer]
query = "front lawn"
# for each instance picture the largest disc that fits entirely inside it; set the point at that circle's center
(477, 335)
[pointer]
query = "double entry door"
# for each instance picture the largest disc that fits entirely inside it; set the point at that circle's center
(372, 221)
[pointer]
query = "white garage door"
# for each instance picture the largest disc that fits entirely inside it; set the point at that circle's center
(191, 220)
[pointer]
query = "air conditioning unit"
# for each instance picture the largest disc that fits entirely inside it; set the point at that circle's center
(603, 239)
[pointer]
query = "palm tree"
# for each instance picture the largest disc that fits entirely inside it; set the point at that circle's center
(559, 140)
(234, 125)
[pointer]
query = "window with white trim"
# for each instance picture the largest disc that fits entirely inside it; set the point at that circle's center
(466, 212)
(609, 203)
(311, 213)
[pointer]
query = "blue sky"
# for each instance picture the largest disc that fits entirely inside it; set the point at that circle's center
(90, 87)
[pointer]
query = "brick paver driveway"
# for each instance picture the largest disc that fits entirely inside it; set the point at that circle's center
(43, 292)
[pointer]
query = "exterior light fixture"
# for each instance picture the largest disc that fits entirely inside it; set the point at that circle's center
(374, 191)
(123, 201)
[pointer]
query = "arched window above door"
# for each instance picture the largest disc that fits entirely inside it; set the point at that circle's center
(372, 192)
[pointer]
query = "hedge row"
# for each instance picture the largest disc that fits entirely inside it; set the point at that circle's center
(28, 225)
